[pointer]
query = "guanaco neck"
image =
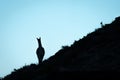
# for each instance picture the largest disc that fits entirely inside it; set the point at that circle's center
(39, 43)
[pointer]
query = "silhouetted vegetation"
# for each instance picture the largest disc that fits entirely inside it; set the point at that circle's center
(0, 78)
(95, 56)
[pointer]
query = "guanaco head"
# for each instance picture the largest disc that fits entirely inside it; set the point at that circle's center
(39, 41)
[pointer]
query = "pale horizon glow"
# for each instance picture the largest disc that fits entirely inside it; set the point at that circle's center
(57, 22)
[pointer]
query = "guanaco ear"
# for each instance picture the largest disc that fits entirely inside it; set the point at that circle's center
(40, 38)
(37, 38)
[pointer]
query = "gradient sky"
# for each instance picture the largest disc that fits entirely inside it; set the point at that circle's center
(57, 22)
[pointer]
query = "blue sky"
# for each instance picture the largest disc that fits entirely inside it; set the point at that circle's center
(57, 22)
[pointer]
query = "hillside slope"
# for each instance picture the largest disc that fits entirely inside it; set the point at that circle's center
(97, 55)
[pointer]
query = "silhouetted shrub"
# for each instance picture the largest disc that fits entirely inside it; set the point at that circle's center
(0, 78)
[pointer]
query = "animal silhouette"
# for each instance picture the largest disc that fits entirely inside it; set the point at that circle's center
(40, 51)
(101, 24)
